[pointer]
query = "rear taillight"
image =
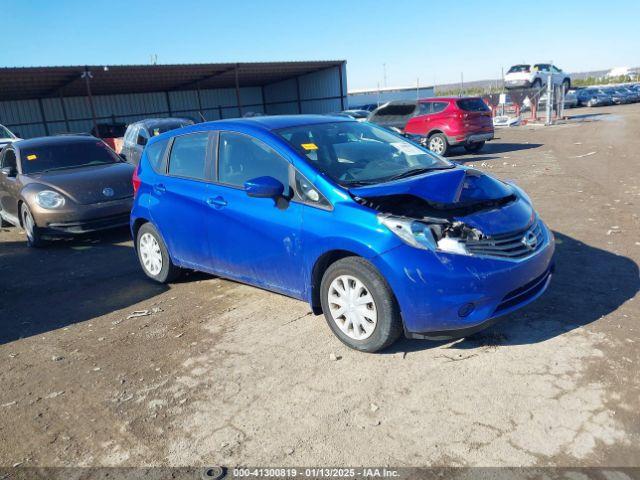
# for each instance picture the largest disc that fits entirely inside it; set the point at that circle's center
(135, 180)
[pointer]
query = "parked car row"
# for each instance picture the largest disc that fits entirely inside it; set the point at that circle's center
(608, 95)
(69, 184)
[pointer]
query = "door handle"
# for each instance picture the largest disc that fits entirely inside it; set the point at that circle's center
(159, 188)
(216, 202)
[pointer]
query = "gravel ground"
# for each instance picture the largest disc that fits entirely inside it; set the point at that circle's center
(214, 372)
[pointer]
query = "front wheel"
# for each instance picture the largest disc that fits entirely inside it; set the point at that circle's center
(153, 255)
(359, 306)
(437, 143)
(474, 147)
(30, 228)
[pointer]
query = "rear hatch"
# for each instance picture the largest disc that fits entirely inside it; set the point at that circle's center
(518, 73)
(476, 115)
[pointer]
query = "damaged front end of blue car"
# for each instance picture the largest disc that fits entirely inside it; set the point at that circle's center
(473, 249)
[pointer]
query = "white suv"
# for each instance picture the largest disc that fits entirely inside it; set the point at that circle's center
(526, 76)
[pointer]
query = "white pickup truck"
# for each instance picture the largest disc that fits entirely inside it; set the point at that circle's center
(536, 76)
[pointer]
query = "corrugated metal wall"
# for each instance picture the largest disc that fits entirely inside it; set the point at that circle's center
(319, 93)
(364, 98)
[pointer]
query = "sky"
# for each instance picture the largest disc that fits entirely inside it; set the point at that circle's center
(414, 41)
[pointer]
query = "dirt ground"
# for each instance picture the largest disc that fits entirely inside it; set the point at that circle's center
(221, 373)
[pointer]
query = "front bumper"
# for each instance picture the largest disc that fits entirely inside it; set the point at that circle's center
(434, 290)
(79, 219)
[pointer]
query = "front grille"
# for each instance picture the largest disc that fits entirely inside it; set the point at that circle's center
(509, 245)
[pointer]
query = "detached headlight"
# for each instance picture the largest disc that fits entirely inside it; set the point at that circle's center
(49, 199)
(424, 235)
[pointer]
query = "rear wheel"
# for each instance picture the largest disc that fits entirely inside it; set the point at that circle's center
(359, 306)
(437, 143)
(31, 229)
(474, 147)
(153, 255)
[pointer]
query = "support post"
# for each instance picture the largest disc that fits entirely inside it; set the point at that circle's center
(87, 80)
(549, 98)
(341, 87)
(44, 120)
(64, 112)
(298, 95)
(239, 102)
(200, 106)
(166, 96)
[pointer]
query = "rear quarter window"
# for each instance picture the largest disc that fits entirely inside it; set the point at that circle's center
(156, 155)
(472, 105)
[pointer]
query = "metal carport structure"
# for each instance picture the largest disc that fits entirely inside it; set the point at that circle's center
(47, 100)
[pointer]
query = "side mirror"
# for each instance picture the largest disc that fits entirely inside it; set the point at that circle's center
(141, 140)
(9, 172)
(264, 187)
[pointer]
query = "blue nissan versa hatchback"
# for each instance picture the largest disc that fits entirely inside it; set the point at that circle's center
(375, 231)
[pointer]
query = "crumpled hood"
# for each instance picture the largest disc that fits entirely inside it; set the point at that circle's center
(460, 193)
(85, 185)
(459, 186)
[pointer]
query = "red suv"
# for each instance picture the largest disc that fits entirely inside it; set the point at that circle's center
(440, 122)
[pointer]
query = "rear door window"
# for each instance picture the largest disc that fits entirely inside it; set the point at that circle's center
(439, 106)
(155, 155)
(188, 156)
(426, 108)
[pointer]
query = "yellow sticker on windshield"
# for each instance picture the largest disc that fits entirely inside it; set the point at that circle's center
(156, 132)
(31, 157)
(309, 146)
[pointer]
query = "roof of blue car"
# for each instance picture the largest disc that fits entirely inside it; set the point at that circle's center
(275, 122)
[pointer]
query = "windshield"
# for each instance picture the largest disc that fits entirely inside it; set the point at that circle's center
(519, 68)
(353, 153)
(5, 133)
(60, 156)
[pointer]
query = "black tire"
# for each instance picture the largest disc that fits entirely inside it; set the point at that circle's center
(34, 238)
(440, 140)
(4, 223)
(389, 323)
(537, 83)
(474, 147)
(168, 271)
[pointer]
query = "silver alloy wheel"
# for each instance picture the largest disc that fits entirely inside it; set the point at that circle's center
(352, 307)
(150, 253)
(28, 223)
(436, 145)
